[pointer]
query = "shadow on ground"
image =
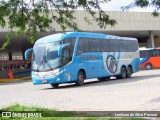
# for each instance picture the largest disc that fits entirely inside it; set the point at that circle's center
(113, 80)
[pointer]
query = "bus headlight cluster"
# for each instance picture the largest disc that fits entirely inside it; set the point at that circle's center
(49, 74)
(59, 72)
(56, 73)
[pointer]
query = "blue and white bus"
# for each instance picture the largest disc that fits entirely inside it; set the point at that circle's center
(76, 56)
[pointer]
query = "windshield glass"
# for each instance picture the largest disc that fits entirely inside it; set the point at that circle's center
(45, 56)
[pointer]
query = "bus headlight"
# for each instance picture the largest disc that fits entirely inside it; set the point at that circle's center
(59, 72)
(56, 73)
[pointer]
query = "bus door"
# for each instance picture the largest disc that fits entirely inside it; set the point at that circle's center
(66, 61)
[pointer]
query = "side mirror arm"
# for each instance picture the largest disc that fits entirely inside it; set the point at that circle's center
(27, 52)
(60, 49)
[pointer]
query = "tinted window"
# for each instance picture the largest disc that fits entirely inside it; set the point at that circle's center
(149, 53)
(114, 45)
(144, 54)
(71, 41)
(83, 45)
(123, 46)
(93, 45)
(155, 53)
(132, 45)
(104, 45)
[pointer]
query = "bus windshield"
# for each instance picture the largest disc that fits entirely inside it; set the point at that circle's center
(45, 56)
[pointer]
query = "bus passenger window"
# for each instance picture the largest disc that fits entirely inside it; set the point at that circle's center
(114, 45)
(132, 45)
(82, 45)
(94, 45)
(123, 46)
(104, 45)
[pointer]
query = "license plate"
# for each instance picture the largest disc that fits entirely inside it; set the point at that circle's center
(44, 81)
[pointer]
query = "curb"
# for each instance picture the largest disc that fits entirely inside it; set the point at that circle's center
(15, 79)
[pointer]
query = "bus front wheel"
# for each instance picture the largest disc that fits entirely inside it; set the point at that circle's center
(55, 85)
(80, 79)
(148, 66)
(123, 74)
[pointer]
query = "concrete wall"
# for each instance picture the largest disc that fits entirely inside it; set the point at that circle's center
(127, 21)
(130, 24)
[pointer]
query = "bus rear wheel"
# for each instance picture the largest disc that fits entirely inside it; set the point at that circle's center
(80, 79)
(129, 72)
(55, 85)
(123, 74)
(148, 66)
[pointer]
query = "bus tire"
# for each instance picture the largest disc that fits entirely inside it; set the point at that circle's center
(123, 74)
(55, 85)
(80, 79)
(129, 72)
(148, 66)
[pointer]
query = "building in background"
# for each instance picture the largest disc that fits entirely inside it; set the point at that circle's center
(141, 25)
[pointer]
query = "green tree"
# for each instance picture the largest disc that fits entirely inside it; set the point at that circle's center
(33, 16)
(144, 4)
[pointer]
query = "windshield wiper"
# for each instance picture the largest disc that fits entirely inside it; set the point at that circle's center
(44, 60)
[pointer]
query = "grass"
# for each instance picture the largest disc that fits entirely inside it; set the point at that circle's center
(52, 114)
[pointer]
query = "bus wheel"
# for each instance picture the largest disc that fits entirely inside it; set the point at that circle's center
(55, 85)
(80, 80)
(148, 66)
(129, 72)
(123, 74)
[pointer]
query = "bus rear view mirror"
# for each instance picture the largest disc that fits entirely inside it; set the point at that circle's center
(61, 48)
(27, 52)
(65, 58)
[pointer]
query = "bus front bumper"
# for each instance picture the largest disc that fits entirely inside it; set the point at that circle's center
(56, 79)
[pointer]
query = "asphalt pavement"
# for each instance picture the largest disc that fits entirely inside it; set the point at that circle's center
(141, 92)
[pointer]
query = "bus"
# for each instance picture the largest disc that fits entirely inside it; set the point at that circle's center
(75, 56)
(149, 58)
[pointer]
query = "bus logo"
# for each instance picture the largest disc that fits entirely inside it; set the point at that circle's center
(111, 64)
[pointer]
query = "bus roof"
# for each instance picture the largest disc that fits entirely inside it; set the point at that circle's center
(60, 36)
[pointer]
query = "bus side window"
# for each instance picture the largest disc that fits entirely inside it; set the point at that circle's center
(104, 45)
(94, 45)
(144, 53)
(155, 53)
(65, 56)
(123, 46)
(132, 45)
(114, 45)
(83, 45)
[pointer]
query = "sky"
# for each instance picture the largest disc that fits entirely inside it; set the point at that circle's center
(115, 5)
